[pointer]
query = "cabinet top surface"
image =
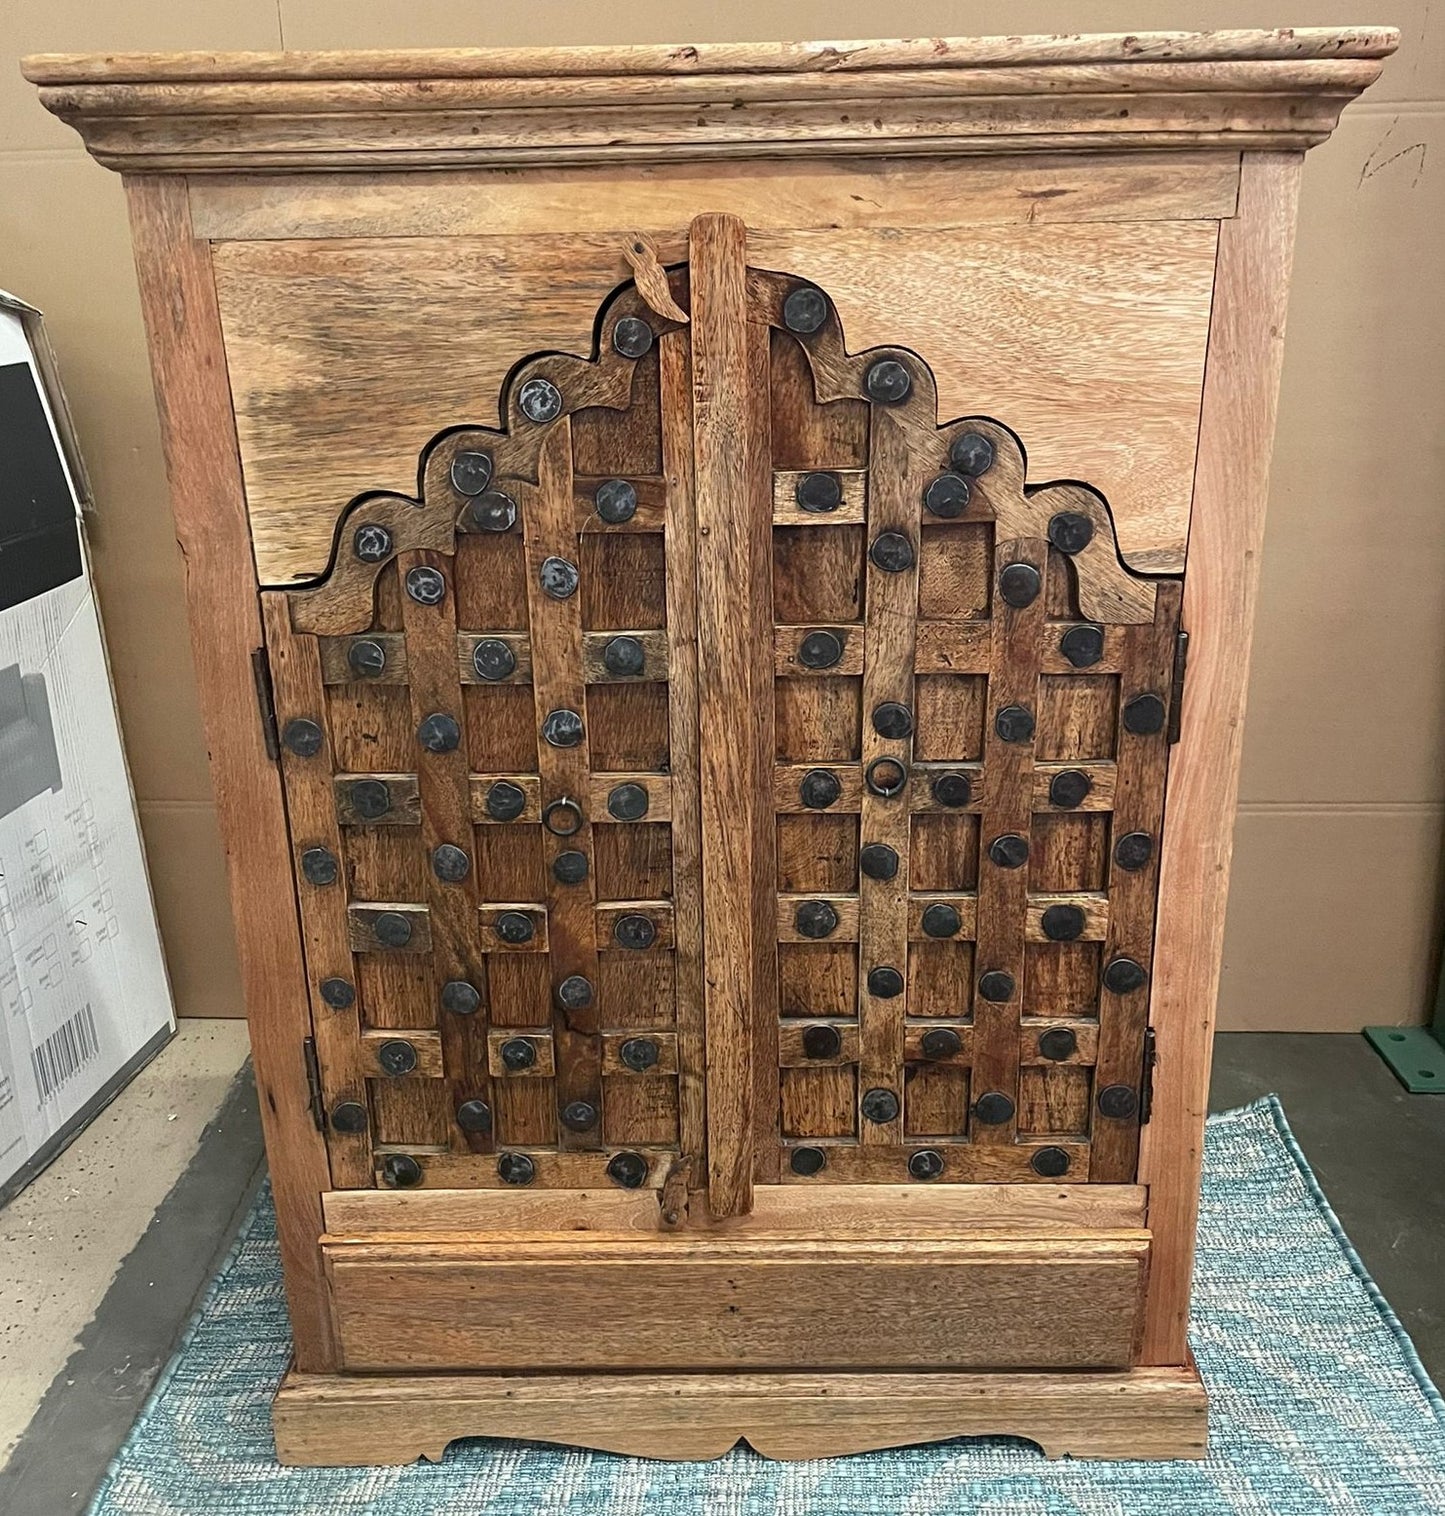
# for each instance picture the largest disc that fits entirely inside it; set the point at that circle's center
(201, 111)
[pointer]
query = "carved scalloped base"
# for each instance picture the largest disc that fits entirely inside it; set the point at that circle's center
(325, 1419)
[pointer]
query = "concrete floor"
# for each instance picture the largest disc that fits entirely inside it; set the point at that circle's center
(103, 1258)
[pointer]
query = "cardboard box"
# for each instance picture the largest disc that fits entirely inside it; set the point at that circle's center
(84, 999)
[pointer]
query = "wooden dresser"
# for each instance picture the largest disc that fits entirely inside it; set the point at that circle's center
(721, 582)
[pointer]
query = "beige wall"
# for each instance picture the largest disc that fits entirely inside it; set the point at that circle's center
(1337, 886)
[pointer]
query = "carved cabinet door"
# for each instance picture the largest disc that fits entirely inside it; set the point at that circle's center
(727, 773)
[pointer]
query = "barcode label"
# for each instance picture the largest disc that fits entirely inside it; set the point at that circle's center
(64, 1053)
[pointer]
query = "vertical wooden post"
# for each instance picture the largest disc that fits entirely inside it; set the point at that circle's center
(188, 362)
(1231, 483)
(732, 506)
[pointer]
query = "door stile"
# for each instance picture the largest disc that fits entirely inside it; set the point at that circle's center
(732, 508)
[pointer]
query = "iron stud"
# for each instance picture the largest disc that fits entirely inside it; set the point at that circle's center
(635, 932)
(993, 1108)
(639, 1054)
(627, 802)
(474, 1116)
(947, 496)
(460, 998)
(892, 552)
(821, 1042)
(401, 1171)
(540, 400)
(1019, 585)
(631, 337)
(505, 800)
(439, 733)
(1083, 645)
(808, 1161)
(365, 658)
(971, 453)
(819, 493)
(942, 1042)
(804, 310)
(392, 929)
(471, 473)
(371, 542)
(616, 501)
(320, 866)
(516, 1168)
(926, 1163)
(1009, 851)
(493, 659)
(996, 986)
(629, 1170)
(303, 737)
(624, 657)
(815, 919)
(558, 578)
(426, 585)
(887, 382)
(819, 789)
(495, 511)
(1071, 531)
(396, 1057)
(820, 650)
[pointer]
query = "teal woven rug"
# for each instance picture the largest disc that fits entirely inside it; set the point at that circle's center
(1319, 1405)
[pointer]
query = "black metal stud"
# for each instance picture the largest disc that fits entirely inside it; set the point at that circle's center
(303, 737)
(926, 1163)
(635, 932)
(1068, 788)
(558, 578)
(996, 986)
(892, 552)
(339, 994)
(495, 511)
(627, 802)
(320, 866)
(515, 928)
(349, 1116)
(370, 798)
(1014, 724)
(616, 501)
(540, 400)
(365, 658)
(1120, 1102)
(629, 1170)
(505, 800)
(518, 1053)
(439, 733)
(474, 1116)
(820, 650)
(886, 777)
(493, 659)
(947, 496)
(879, 1106)
(815, 919)
(821, 1042)
(631, 337)
(993, 1108)
(400, 1170)
(471, 473)
(805, 310)
(1083, 645)
(819, 789)
(819, 493)
(971, 453)
(639, 1054)
(624, 657)
(1063, 923)
(450, 863)
(1050, 1163)
(878, 861)
(1144, 715)
(1058, 1043)
(953, 789)
(569, 868)
(808, 1161)
(396, 1057)
(1122, 976)
(1071, 531)
(887, 382)
(941, 920)
(1019, 585)
(563, 818)
(1009, 851)
(885, 982)
(575, 993)
(892, 720)
(516, 1168)
(1133, 850)
(579, 1115)
(562, 728)
(392, 929)
(371, 542)
(941, 1042)
(460, 998)
(426, 585)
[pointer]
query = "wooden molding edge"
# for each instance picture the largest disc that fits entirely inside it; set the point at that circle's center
(336, 1420)
(215, 112)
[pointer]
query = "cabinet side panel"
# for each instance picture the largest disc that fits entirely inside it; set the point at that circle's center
(1246, 341)
(183, 326)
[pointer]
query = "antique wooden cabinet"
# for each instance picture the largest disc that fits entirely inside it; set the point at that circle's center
(692, 553)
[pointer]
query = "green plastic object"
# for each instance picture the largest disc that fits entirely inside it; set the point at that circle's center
(1416, 1054)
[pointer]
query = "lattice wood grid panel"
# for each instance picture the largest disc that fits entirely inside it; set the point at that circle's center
(489, 718)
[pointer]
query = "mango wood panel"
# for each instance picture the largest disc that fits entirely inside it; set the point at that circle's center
(1061, 1302)
(1103, 328)
(1144, 1413)
(346, 356)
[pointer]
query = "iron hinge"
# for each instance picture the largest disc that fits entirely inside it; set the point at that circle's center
(1146, 1089)
(313, 1082)
(1176, 686)
(265, 702)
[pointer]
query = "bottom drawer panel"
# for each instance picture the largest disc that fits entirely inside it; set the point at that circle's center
(695, 1303)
